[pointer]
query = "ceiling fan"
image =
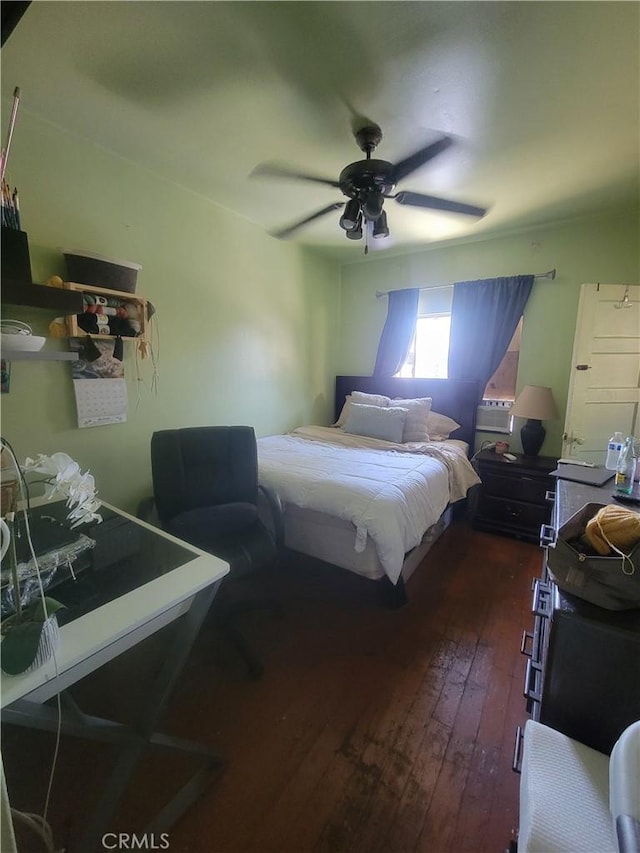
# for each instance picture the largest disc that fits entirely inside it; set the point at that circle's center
(367, 183)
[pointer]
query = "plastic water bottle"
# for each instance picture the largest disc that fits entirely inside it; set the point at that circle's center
(613, 451)
(626, 468)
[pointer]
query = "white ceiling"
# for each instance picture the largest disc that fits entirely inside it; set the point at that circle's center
(543, 98)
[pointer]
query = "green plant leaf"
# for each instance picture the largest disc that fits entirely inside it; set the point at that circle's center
(20, 646)
(35, 611)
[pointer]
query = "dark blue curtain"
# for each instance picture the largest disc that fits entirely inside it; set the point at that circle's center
(398, 331)
(484, 316)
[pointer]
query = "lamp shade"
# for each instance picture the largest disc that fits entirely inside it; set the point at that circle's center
(535, 401)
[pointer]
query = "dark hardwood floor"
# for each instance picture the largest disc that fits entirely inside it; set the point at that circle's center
(372, 730)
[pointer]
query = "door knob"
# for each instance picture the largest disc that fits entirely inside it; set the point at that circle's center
(570, 438)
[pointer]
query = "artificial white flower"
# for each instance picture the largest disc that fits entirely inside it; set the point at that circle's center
(66, 481)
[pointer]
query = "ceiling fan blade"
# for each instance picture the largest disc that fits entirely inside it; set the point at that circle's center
(285, 232)
(419, 158)
(272, 170)
(433, 203)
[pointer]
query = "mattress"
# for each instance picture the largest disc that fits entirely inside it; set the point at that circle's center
(361, 503)
(331, 540)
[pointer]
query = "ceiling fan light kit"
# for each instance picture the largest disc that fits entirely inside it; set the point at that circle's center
(349, 218)
(380, 228)
(367, 183)
(355, 233)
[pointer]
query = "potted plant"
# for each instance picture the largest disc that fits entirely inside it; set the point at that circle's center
(30, 634)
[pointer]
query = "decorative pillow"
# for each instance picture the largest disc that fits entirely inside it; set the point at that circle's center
(415, 428)
(342, 417)
(386, 423)
(370, 399)
(440, 426)
(360, 397)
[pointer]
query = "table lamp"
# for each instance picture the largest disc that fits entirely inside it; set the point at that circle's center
(535, 403)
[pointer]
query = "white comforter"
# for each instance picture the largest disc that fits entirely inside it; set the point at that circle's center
(390, 492)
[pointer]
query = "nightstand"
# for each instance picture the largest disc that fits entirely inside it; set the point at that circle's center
(514, 497)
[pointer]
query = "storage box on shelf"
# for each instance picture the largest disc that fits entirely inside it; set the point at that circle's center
(139, 302)
(514, 496)
(99, 271)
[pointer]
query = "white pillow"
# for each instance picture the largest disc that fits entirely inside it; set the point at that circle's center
(382, 422)
(370, 399)
(440, 426)
(415, 428)
(360, 397)
(342, 417)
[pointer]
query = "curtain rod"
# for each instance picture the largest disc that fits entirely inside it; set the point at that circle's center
(549, 274)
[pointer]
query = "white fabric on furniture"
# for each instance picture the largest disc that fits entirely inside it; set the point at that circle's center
(391, 493)
(415, 428)
(382, 422)
(331, 540)
(624, 774)
(342, 417)
(364, 399)
(440, 426)
(370, 399)
(564, 796)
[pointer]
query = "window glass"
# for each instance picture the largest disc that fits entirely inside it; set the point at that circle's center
(429, 352)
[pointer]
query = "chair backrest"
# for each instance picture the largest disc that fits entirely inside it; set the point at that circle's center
(196, 467)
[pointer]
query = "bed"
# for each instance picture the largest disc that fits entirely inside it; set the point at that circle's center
(366, 504)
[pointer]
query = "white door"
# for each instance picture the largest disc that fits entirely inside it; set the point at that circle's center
(604, 389)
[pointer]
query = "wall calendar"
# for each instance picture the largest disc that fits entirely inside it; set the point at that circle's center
(100, 386)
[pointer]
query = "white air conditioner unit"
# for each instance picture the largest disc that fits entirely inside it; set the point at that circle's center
(494, 416)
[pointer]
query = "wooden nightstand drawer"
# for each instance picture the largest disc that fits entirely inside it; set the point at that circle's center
(513, 495)
(522, 487)
(512, 513)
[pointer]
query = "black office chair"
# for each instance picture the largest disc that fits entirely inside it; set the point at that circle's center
(205, 484)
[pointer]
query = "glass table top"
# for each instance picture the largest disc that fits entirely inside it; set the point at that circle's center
(126, 555)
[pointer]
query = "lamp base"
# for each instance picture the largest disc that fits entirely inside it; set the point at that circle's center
(532, 436)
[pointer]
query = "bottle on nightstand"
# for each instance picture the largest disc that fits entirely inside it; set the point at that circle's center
(626, 468)
(614, 447)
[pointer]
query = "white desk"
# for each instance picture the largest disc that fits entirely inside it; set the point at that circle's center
(91, 640)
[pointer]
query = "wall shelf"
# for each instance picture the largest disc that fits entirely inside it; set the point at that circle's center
(25, 355)
(15, 292)
(139, 302)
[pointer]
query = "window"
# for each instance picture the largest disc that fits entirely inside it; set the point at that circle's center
(430, 348)
(429, 352)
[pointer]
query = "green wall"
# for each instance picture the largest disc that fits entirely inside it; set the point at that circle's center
(244, 329)
(250, 329)
(603, 248)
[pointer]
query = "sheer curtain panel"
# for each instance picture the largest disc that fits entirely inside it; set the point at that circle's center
(398, 331)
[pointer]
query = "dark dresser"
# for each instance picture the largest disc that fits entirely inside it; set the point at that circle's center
(583, 669)
(514, 497)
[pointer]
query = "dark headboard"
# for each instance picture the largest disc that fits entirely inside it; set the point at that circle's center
(452, 397)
